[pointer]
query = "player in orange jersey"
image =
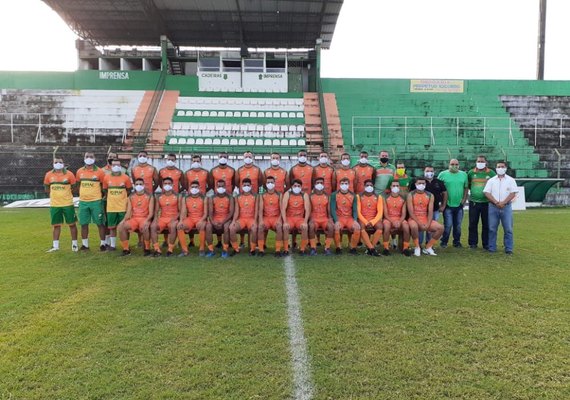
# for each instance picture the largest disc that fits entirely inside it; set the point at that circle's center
(245, 217)
(199, 174)
(370, 211)
(249, 171)
(173, 172)
(140, 211)
(58, 184)
(344, 212)
(224, 172)
(269, 217)
(147, 172)
(325, 171)
(296, 210)
(320, 219)
(420, 209)
(166, 215)
(278, 173)
(344, 171)
(302, 171)
(193, 216)
(395, 220)
(117, 186)
(220, 213)
(363, 171)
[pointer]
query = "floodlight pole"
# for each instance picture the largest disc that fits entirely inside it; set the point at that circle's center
(541, 41)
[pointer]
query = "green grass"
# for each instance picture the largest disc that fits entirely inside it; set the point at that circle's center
(464, 324)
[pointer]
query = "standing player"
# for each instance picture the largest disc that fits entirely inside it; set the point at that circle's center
(363, 171)
(370, 211)
(220, 213)
(140, 210)
(344, 171)
(320, 219)
(147, 172)
(90, 178)
(193, 215)
(395, 220)
(344, 212)
(278, 173)
(173, 172)
(325, 171)
(384, 174)
(295, 209)
(303, 172)
(199, 174)
(249, 171)
(245, 216)
(58, 183)
(166, 215)
(420, 209)
(226, 173)
(269, 217)
(117, 186)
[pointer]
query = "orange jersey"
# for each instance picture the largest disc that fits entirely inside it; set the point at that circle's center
(345, 204)
(350, 174)
(175, 174)
(200, 175)
(253, 173)
(280, 176)
(60, 183)
(420, 204)
(168, 205)
(271, 206)
(220, 207)
(146, 173)
(118, 187)
(363, 172)
(305, 174)
(319, 206)
(326, 173)
(225, 174)
(194, 207)
(370, 208)
(296, 206)
(140, 204)
(246, 204)
(394, 206)
(90, 183)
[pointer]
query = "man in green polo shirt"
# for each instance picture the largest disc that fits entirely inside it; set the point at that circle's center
(478, 203)
(457, 184)
(384, 173)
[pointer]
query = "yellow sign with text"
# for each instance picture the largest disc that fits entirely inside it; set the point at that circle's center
(436, 86)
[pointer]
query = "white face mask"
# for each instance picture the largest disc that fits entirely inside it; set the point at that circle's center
(481, 165)
(58, 166)
(302, 159)
(346, 163)
(194, 191)
(221, 190)
(319, 186)
(270, 186)
(116, 168)
(170, 163)
(323, 160)
(344, 186)
(223, 161)
(501, 171)
(395, 189)
(246, 189)
(296, 190)
(421, 187)
(247, 160)
(167, 188)
(369, 189)
(89, 161)
(196, 165)
(142, 160)
(275, 162)
(139, 188)
(428, 175)
(364, 160)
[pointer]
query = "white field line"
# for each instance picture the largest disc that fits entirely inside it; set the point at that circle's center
(299, 355)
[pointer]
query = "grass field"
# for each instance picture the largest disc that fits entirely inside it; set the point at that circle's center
(465, 324)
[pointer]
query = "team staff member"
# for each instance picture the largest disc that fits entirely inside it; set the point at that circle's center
(278, 173)
(370, 212)
(90, 178)
(269, 217)
(344, 213)
(457, 185)
(249, 171)
(363, 171)
(58, 183)
(478, 203)
(296, 210)
(193, 215)
(325, 171)
(173, 172)
(320, 219)
(140, 210)
(437, 188)
(303, 172)
(220, 213)
(147, 172)
(166, 214)
(395, 220)
(344, 171)
(117, 186)
(384, 173)
(107, 169)
(420, 211)
(198, 174)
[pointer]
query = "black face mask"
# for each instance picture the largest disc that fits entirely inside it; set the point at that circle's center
(384, 160)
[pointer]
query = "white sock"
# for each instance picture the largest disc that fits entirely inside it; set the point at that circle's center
(74, 243)
(107, 241)
(56, 244)
(85, 242)
(103, 243)
(113, 241)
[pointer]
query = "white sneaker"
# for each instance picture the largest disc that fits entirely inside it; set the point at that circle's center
(430, 252)
(394, 243)
(424, 251)
(74, 248)
(417, 252)
(53, 249)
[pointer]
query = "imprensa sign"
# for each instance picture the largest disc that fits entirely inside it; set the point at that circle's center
(113, 75)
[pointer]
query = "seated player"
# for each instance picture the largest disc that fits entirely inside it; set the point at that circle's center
(269, 217)
(420, 209)
(344, 212)
(193, 215)
(245, 217)
(320, 218)
(295, 209)
(220, 213)
(166, 215)
(370, 210)
(140, 210)
(395, 220)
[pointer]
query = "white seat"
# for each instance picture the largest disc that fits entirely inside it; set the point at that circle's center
(180, 113)
(229, 114)
(252, 114)
(300, 115)
(284, 142)
(199, 141)
(190, 141)
(245, 114)
(300, 128)
(276, 142)
(276, 115)
(205, 113)
(259, 142)
(216, 142)
(182, 141)
(189, 113)
(293, 142)
(213, 113)
(237, 114)
(233, 142)
(173, 141)
(250, 142)
(208, 141)
(267, 142)
(291, 115)
(242, 142)
(301, 142)
(283, 114)
(292, 128)
(283, 128)
(197, 113)
(225, 142)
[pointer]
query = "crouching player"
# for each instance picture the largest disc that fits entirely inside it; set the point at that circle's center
(320, 220)
(395, 220)
(140, 210)
(295, 209)
(193, 214)
(420, 209)
(269, 217)
(245, 215)
(370, 210)
(344, 212)
(220, 213)
(167, 211)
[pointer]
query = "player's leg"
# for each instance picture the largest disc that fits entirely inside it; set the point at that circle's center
(154, 231)
(252, 233)
(84, 219)
(286, 233)
(122, 230)
(414, 232)
(201, 227)
(209, 239)
(354, 230)
(171, 227)
(225, 239)
(56, 221)
(303, 229)
(387, 228)
(405, 232)
(235, 227)
(261, 236)
(337, 232)
(181, 230)
(436, 230)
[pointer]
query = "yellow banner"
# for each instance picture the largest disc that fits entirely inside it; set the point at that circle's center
(436, 86)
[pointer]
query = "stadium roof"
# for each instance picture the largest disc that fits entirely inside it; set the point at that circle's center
(202, 23)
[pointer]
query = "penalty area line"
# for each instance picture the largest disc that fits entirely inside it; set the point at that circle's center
(298, 345)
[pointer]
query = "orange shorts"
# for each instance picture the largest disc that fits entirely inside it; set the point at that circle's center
(163, 223)
(191, 223)
(270, 222)
(295, 223)
(320, 224)
(246, 223)
(136, 224)
(392, 221)
(346, 222)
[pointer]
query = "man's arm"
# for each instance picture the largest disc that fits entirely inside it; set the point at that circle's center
(307, 207)
(151, 207)
(154, 179)
(410, 208)
(284, 202)
(333, 207)
(236, 210)
(379, 211)
(361, 218)
(182, 208)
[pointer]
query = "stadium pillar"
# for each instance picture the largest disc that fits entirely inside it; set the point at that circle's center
(324, 125)
(163, 53)
(541, 41)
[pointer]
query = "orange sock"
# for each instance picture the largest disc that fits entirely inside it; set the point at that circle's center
(431, 243)
(406, 245)
(366, 239)
(225, 246)
(417, 242)
(337, 239)
(125, 244)
(328, 243)
(376, 238)
(313, 243)
(278, 245)
(252, 246)
(182, 241)
(202, 236)
(304, 244)
(286, 245)
(261, 244)
(171, 247)
(147, 244)
(157, 247)
(211, 247)
(354, 239)
(386, 245)
(235, 246)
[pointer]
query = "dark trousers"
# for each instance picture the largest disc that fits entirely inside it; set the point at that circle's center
(478, 211)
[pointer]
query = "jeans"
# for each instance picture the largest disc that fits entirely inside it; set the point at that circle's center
(477, 210)
(505, 217)
(452, 218)
(427, 234)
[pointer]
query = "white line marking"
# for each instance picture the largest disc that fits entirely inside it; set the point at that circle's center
(299, 355)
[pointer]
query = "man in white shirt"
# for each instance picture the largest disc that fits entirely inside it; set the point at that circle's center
(501, 191)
